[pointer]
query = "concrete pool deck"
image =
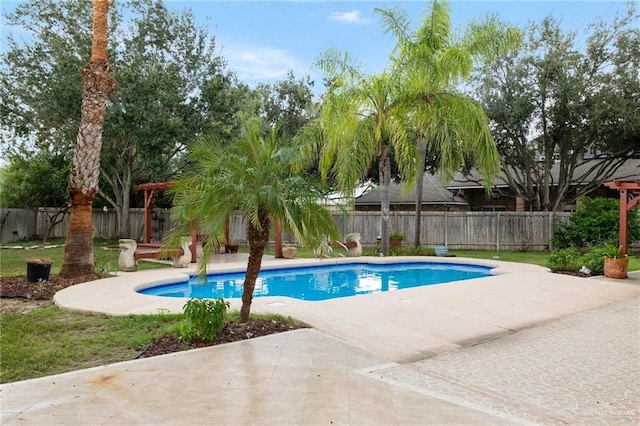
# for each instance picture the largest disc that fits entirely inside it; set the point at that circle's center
(522, 347)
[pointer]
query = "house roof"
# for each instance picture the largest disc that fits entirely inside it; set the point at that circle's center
(586, 172)
(433, 192)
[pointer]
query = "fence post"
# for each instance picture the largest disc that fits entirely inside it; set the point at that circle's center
(550, 224)
(446, 233)
(498, 232)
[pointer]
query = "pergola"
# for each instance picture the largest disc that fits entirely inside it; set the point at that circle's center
(151, 192)
(629, 198)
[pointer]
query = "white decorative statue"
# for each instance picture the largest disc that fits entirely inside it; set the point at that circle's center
(353, 237)
(184, 260)
(126, 260)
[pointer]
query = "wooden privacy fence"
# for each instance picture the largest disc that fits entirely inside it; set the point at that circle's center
(23, 224)
(458, 230)
(462, 230)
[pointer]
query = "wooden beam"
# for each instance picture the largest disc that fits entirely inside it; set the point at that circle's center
(149, 193)
(629, 198)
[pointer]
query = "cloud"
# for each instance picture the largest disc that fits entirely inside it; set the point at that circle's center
(258, 63)
(352, 17)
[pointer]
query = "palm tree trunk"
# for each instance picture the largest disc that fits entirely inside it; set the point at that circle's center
(384, 172)
(97, 85)
(422, 155)
(258, 240)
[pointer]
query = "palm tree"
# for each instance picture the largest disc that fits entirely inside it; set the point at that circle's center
(258, 176)
(431, 61)
(362, 120)
(83, 179)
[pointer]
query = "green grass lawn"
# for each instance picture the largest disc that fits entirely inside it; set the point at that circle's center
(105, 252)
(49, 340)
(533, 257)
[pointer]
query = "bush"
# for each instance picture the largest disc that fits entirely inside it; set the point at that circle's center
(594, 260)
(595, 222)
(412, 251)
(203, 318)
(568, 259)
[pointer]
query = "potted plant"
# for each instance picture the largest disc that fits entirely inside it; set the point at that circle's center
(38, 269)
(395, 240)
(615, 262)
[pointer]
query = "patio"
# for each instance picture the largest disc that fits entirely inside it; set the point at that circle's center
(523, 347)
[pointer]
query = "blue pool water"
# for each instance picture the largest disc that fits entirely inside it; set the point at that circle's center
(324, 282)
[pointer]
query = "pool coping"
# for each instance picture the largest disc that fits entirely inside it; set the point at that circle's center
(92, 297)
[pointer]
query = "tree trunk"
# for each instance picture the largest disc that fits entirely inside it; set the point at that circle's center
(97, 85)
(422, 154)
(384, 171)
(124, 229)
(78, 250)
(258, 240)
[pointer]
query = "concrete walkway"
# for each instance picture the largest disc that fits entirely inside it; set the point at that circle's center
(524, 347)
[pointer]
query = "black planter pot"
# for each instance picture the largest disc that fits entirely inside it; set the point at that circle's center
(38, 272)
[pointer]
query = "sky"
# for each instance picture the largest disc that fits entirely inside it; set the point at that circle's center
(263, 40)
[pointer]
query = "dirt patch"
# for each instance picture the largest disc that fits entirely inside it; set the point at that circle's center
(21, 306)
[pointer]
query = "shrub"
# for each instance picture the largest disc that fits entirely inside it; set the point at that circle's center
(203, 318)
(595, 222)
(568, 259)
(594, 260)
(412, 251)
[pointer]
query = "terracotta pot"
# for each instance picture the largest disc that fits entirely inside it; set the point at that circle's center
(615, 268)
(395, 242)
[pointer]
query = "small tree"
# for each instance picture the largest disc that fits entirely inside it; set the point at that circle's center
(259, 177)
(595, 222)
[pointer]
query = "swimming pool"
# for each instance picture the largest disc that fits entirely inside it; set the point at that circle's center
(325, 281)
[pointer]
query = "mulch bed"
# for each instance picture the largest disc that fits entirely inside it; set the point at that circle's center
(20, 292)
(573, 273)
(18, 287)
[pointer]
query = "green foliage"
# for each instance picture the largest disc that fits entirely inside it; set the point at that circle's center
(573, 90)
(203, 319)
(612, 251)
(571, 259)
(35, 180)
(288, 102)
(171, 86)
(594, 260)
(412, 251)
(568, 259)
(594, 223)
(256, 175)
